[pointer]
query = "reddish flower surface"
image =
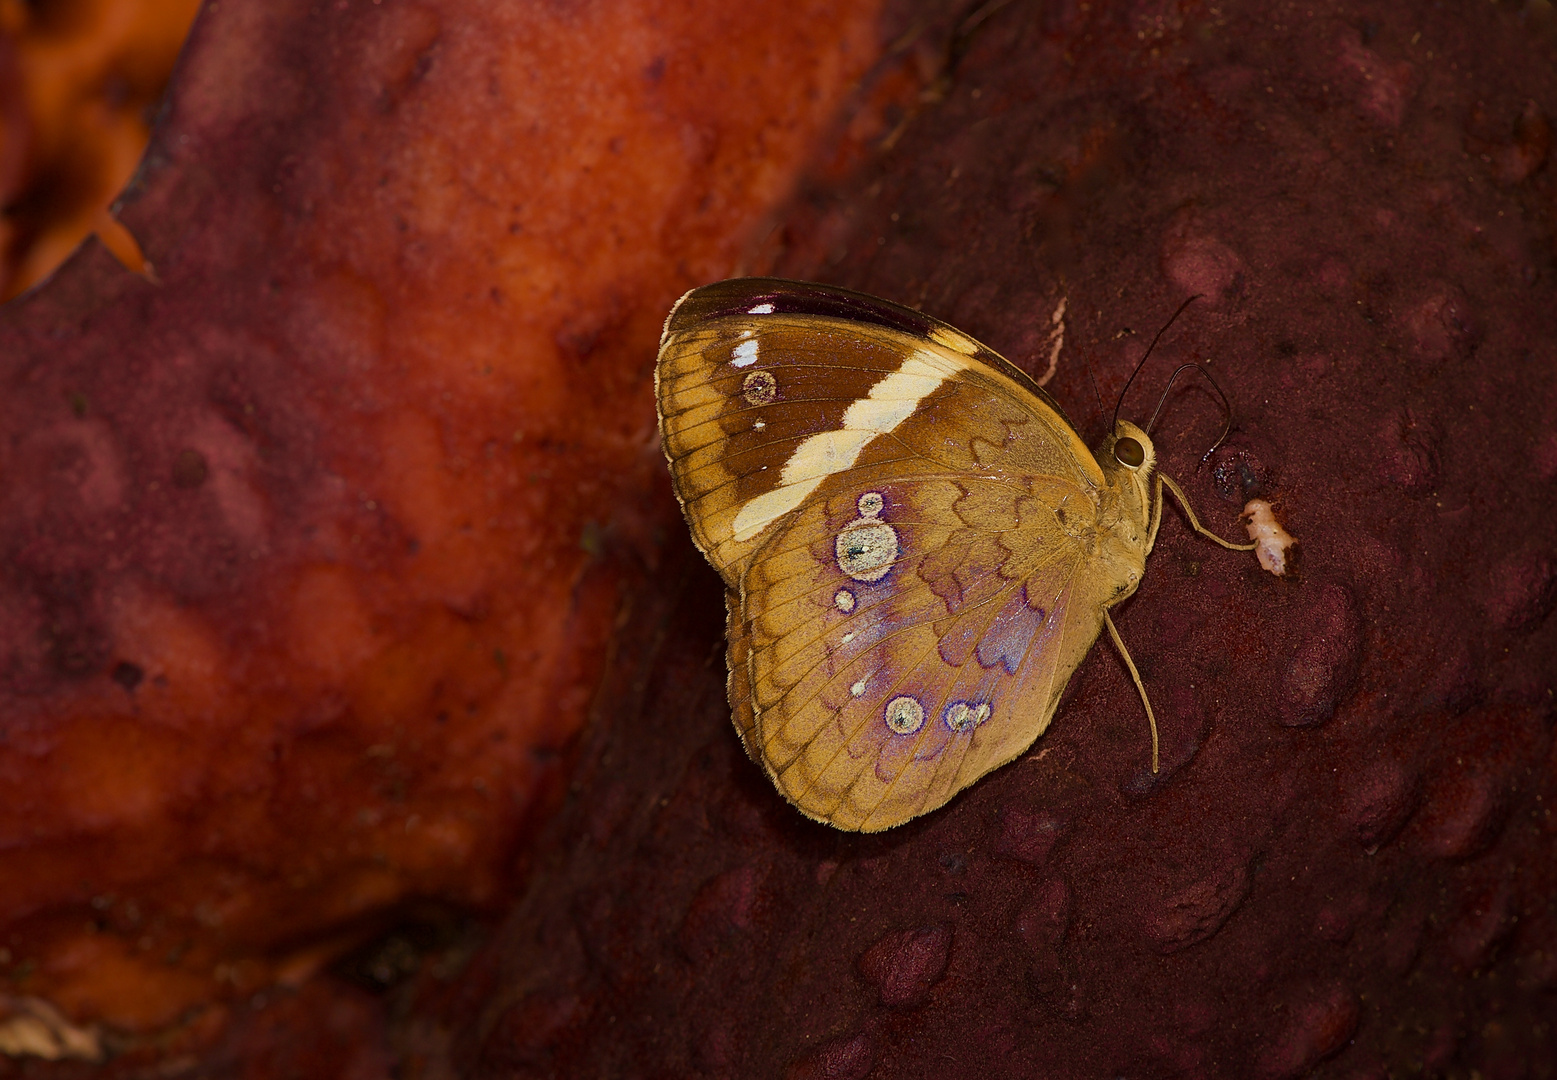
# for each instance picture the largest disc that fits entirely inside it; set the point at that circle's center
(1347, 864)
(313, 545)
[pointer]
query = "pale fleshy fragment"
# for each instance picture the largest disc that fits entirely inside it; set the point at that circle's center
(31, 1027)
(1271, 542)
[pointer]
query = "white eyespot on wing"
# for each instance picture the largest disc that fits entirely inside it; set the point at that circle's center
(866, 549)
(904, 715)
(871, 503)
(844, 600)
(760, 309)
(963, 716)
(1272, 543)
(889, 403)
(759, 425)
(745, 354)
(858, 689)
(759, 388)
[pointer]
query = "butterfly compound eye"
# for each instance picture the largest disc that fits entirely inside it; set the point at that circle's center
(1128, 452)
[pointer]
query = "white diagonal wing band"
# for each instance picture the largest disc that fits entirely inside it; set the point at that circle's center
(889, 403)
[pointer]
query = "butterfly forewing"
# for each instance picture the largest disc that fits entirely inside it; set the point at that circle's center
(731, 425)
(757, 406)
(903, 521)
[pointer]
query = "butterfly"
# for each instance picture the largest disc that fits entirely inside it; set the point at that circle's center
(918, 548)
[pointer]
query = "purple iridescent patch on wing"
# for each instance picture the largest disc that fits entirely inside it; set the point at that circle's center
(958, 642)
(1011, 634)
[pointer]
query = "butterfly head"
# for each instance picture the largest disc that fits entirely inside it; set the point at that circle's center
(1128, 458)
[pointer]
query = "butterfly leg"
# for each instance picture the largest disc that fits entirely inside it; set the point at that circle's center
(1178, 493)
(1151, 719)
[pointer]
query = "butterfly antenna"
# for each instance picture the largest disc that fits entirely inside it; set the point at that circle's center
(1227, 408)
(1092, 378)
(1145, 356)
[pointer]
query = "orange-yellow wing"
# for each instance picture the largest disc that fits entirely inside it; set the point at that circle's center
(875, 701)
(900, 517)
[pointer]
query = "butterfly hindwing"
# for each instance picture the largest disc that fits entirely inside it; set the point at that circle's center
(738, 682)
(878, 700)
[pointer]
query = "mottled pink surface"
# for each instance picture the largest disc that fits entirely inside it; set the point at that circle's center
(314, 542)
(1348, 864)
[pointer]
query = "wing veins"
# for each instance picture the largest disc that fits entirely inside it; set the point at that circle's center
(925, 731)
(917, 621)
(878, 600)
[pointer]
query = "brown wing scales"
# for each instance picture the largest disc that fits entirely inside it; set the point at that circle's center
(964, 631)
(738, 678)
(903, 522)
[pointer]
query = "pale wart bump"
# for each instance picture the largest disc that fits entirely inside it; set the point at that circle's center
(889, 403)
(844, 600)
(954, 341)
(760, 388)
(745, 354)
(858, 689)
(760, 309)
(904, 715)
(961, 716)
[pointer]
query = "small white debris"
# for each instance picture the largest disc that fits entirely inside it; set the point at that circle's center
(1056, 342)
(1272, 543)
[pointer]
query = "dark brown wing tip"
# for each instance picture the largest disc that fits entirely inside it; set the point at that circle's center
(755, 296)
